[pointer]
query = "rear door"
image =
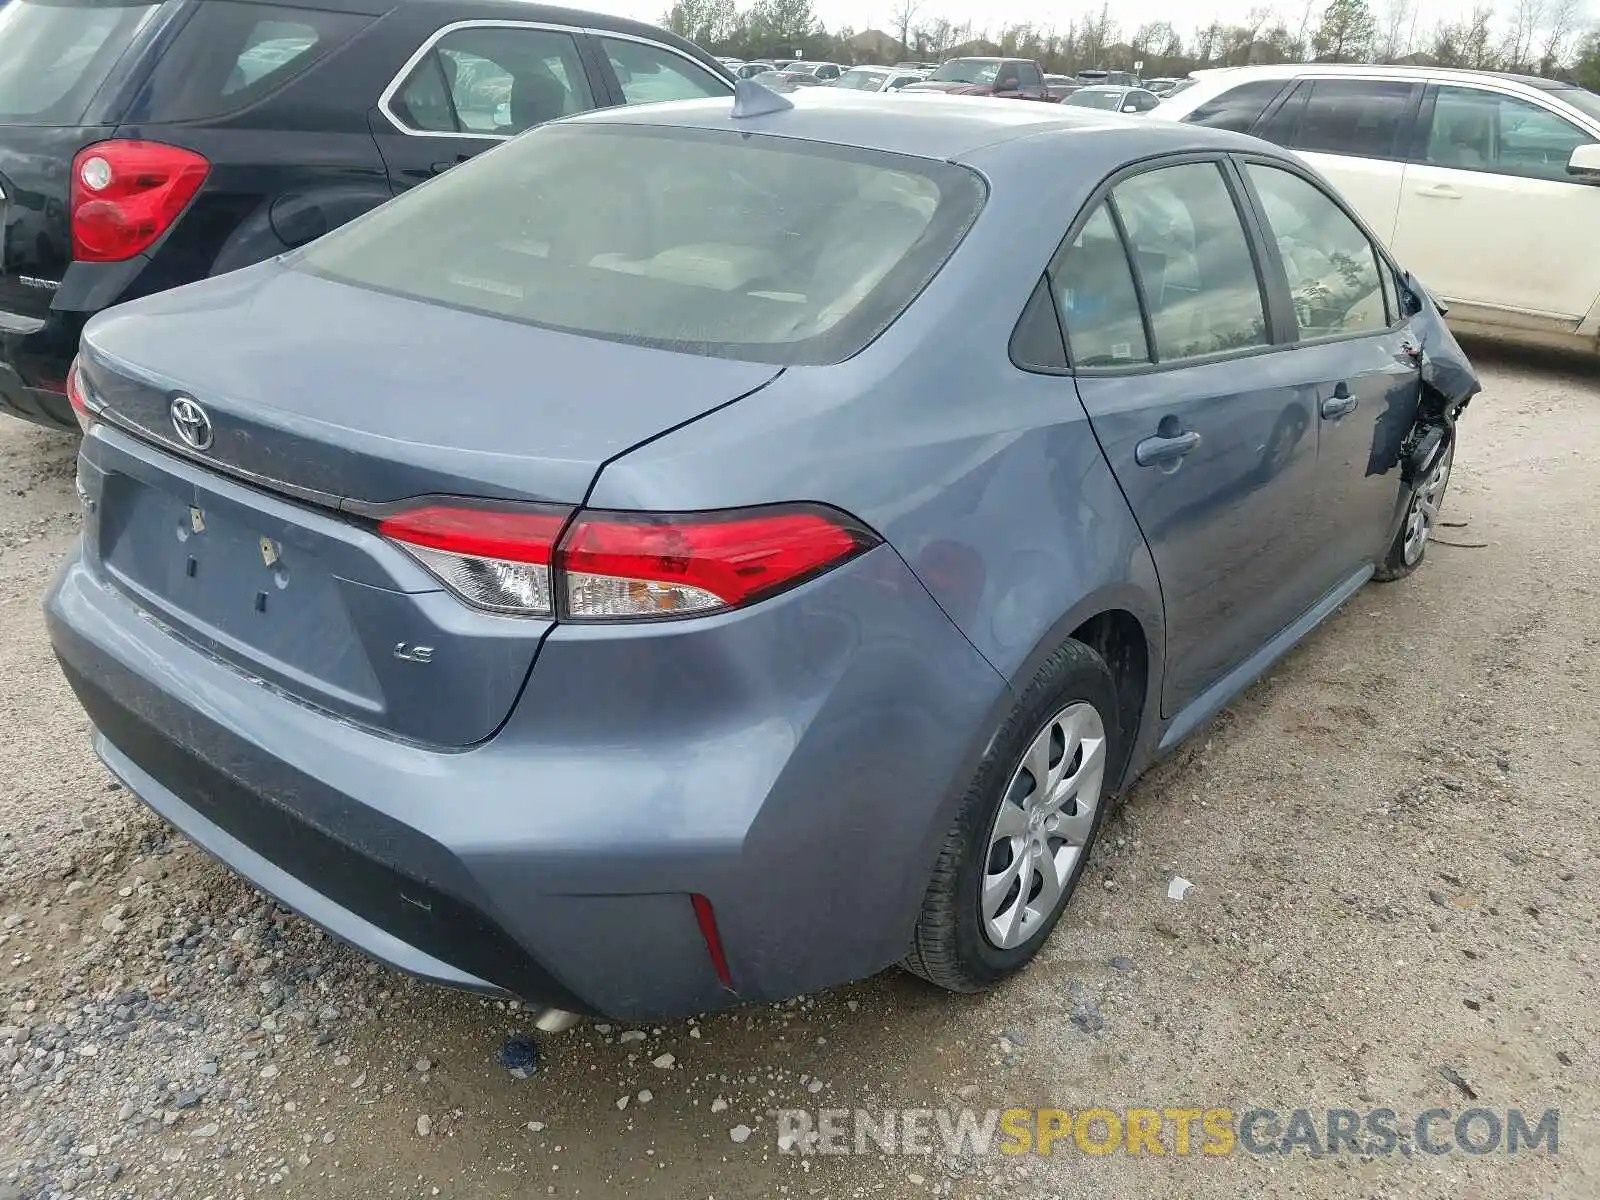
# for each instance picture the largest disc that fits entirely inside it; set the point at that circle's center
(472, 85)
(1490, 161)
(1205, 421)
(60, 64)
(1356, 352)
(1355, 131)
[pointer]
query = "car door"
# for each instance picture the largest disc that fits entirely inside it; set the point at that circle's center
(1356, 352)
(1204, 419)
(645, 72)
(472, 85)
(1489, 215)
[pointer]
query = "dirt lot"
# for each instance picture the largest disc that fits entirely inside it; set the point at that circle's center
(1394, 841)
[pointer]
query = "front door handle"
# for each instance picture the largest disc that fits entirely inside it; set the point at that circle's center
(1438, 191)
(1340, 403)
(1154, 451)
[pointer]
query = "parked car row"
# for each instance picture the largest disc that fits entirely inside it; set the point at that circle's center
(1486, 185)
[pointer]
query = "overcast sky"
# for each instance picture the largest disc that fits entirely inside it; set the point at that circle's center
(867, 14)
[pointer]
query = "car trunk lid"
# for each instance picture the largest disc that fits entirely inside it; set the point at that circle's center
(329, 404)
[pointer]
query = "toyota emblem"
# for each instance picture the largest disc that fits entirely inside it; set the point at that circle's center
(191, 422)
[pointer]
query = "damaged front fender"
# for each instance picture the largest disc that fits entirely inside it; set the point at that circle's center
(1448, 384)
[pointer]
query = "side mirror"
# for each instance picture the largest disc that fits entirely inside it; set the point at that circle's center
(1584, 165)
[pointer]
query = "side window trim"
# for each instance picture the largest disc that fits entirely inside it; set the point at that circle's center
(386, 97)
(1262, 232)
(1151, 357)
(1275, 298)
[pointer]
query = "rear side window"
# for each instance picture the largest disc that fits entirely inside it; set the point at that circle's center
(1029, 75)
(55, 54)
(495, 81)
(1237, 108)
(709, 242)
(231, 54)
(1096, 297)
(1358, 117)
(1194, 262)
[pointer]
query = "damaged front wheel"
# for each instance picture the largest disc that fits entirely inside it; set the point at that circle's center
(1422, 518)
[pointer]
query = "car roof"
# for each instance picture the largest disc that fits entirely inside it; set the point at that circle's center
(1394, 71)
(922, 124)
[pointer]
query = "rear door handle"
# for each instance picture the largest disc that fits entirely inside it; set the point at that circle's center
(1340, 403)
(1438, 191)
(1154, 451)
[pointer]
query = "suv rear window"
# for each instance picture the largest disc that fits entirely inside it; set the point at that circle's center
(55, 54)
(709, 242)
(232, 53)
(1237, 108)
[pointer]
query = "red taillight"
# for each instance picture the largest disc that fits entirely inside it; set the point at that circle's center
(706, 918)
(78, 397)
(629, 565)
(624, 566)
(497, 559)
(126, 194)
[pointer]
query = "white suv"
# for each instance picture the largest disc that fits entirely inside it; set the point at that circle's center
(1486, 186)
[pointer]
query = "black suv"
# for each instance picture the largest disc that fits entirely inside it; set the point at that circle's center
(150, 143)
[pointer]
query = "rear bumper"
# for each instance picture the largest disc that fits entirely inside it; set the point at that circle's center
(798, 763)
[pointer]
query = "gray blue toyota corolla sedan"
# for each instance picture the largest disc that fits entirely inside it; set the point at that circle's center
(708, 552)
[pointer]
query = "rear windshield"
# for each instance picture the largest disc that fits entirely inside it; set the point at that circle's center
(705, 241)
(55, 54)
(232, 53)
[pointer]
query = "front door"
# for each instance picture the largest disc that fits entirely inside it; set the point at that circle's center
(476, 85)
(1208, 427)
(1356, 354)
(1489, 215)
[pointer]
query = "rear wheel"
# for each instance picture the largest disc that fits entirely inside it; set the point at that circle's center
(1422, 517)
(1022, 839)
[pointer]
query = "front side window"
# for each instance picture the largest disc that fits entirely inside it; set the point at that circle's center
(1358, 117)
(1237, 108)
(1095, 295)
(1194, 262)
(1334, 271)
(716, 243)
(495, 81)
(1484, 131)
(649, 74)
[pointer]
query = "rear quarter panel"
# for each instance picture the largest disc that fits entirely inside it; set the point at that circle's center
(986, 479)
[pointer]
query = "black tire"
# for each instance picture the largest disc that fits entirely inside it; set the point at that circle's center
(1406, 555)
(950, 947)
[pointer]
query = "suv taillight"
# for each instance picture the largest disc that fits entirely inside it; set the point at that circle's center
(610, 566)
(126, 194)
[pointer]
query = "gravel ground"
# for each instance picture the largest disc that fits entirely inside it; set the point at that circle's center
(1394, 843)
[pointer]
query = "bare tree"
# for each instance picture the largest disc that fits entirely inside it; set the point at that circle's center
(1527, 17)
(1302, 35)
(1395, 29)
(1562, 23)
(905, 16)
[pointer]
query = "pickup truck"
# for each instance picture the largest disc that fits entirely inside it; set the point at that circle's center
(1006, 78)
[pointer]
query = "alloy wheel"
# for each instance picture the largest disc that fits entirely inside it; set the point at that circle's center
(1043, 825)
